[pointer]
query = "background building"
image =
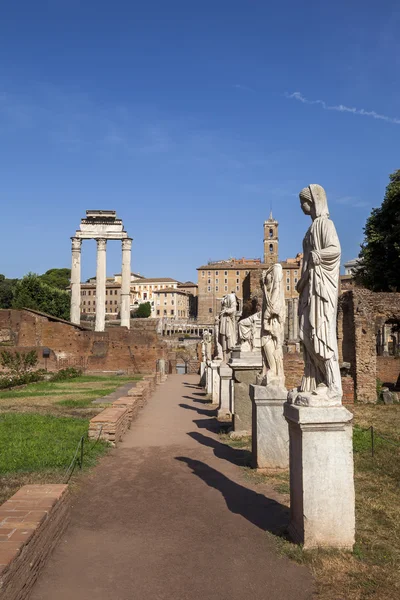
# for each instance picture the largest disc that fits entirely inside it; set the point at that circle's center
(242, 276)
(171, 303)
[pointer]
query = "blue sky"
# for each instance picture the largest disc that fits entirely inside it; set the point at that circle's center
(191, 119)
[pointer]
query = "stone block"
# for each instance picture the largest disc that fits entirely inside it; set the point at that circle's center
(270, 433)
(215, 381)
(109, 425)
(244, 373)
(225, 395)
(322, 499)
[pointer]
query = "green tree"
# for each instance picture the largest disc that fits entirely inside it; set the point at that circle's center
(58, 278)
(144, 311)
(6, 291)
(31, 292)
(379, 268)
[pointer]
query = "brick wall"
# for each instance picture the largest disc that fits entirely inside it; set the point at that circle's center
(388, 370)
(133, 351)
(361, 314)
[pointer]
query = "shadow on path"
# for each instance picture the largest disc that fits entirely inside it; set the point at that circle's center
(200, 411)
(210, 424)
(236, 456)
(198, 400)
(265, 513)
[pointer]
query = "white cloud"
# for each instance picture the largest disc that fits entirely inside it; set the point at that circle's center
(344, 109)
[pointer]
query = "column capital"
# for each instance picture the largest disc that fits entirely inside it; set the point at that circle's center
(101, 243)
(76, 243)
(127, 244)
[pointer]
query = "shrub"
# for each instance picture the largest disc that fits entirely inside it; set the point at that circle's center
(69, 373)
(9, 381)
(18, 363)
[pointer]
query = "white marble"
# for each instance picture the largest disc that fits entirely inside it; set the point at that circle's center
(203, 374)
(225, 402)
(273, 326)
(126, 283)
(270, 433)
(215, 381)
(322, 499)
(318, 288)
(209, 379)
(227, 325)
(101, 285)
(250, 333)
(76, 281)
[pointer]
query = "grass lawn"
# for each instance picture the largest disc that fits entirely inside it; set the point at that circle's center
(41, 425)
(373, 569)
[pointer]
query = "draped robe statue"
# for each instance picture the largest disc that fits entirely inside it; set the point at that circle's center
(272, 326)
(227, 324)
(249, 333)
(207, 340)
(318, 288)
(217, 344)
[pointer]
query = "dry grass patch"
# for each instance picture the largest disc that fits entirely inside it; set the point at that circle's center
(372, 570)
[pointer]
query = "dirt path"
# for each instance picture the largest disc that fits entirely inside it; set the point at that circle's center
(170, 516)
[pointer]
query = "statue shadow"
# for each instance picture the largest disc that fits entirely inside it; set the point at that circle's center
(200, 411)
(265, 513)
(211, 424)
(236, 456)
(192, 385)
(197, 400)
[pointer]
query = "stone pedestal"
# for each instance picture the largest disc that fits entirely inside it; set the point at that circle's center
(215, 380)
(270, 433)
(322, 512)
(225, 395)
(203, 374)
(209, 378)
(244, 372)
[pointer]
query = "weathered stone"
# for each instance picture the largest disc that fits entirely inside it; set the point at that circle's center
(270, 434)
(225, 394)
(322, 499)
(244, 373)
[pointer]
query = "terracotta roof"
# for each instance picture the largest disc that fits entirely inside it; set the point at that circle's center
(187, 284)
(171, 291)
(155, 280)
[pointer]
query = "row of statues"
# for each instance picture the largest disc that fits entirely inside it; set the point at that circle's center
(318, 289)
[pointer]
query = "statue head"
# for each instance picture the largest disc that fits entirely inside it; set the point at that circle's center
(313, 201)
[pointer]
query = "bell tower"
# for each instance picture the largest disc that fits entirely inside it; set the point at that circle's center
(271, 241)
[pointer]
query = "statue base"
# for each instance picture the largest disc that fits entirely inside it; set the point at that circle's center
(322, 500)
(321, 398)
(270, 435)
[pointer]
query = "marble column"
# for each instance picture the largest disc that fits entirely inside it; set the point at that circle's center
(101, 285)
(295, 319)
(76, 281)
(126, 283)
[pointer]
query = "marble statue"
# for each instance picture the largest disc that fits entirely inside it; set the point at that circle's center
(207, 340)
(318, 289)
(217, 345)
(249, 333)
(272, 327)
(227, 324)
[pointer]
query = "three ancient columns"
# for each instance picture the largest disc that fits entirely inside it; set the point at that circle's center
(101, 226)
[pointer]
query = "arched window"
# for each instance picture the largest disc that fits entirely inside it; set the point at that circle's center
(271, 233)
(271, 248)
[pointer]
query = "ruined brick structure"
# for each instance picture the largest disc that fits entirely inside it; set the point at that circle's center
(363, 316)
(132, 351)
